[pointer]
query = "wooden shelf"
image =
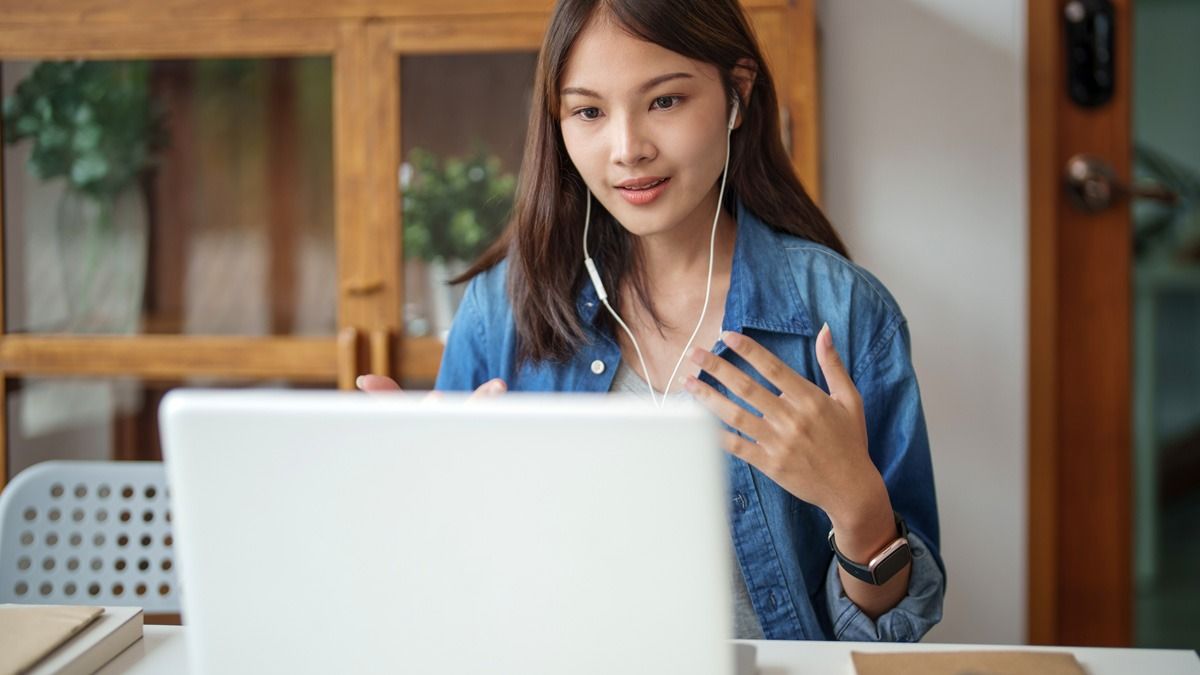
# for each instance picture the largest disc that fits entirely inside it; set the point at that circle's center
(170, 357)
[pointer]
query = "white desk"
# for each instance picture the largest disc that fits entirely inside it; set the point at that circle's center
(162, 652)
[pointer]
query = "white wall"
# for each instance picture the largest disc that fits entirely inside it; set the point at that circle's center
(925, 176)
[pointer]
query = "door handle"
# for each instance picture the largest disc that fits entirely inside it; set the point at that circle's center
(1093, 185)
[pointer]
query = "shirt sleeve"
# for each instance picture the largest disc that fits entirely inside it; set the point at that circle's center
(898, 442)
(908, 621)
(464, 360)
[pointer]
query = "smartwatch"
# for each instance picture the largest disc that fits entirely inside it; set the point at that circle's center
(884, 565)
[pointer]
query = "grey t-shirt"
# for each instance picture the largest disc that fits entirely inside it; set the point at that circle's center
(745, 621)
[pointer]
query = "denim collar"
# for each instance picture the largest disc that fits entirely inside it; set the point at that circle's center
(762, 286)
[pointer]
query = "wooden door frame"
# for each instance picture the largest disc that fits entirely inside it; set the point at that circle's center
(1080, 572)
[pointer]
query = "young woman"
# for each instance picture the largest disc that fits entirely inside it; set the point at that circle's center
(662, 244)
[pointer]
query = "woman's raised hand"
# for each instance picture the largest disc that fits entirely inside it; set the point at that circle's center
(811, 443)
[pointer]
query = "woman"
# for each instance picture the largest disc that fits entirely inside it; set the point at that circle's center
(654, 171)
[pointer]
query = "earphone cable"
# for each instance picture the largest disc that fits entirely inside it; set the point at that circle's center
(587, 221)
(591, 267)
(712, 244)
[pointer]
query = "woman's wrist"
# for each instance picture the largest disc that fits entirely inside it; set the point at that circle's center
(863, 521)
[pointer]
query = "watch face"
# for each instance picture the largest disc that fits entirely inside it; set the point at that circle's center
(892, 562)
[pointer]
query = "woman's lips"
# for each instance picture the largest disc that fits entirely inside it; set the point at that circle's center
(642, 192)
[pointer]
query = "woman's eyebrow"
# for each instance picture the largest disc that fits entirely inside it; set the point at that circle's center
(579, 91)
(655, 81)
(648, 85)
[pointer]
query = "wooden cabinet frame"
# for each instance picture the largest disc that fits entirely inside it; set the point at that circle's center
(365, 40)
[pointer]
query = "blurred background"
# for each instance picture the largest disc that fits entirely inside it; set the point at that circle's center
(269, 208)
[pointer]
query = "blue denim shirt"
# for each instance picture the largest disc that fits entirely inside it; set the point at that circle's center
(781, 289)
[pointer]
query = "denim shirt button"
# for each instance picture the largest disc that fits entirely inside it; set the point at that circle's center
(772, 602)
(739, 500)
(597, 366)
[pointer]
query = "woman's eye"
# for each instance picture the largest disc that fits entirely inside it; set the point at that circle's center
(666, 102)
(588, 113)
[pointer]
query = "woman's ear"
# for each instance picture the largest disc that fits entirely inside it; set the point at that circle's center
(744, 74)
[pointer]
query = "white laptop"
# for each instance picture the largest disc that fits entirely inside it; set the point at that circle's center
(325, 532)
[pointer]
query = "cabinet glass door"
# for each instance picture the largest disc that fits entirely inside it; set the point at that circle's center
(164, 221)
(462, 135)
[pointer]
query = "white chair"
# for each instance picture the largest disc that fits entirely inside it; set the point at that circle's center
(88, 533)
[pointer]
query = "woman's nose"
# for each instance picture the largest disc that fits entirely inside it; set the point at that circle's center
(631, 145)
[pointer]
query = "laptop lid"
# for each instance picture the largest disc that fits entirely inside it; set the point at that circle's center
(327, 532)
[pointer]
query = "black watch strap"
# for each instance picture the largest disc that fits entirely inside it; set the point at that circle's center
(889, 561)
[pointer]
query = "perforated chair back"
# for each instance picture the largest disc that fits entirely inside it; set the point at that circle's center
(90, 533)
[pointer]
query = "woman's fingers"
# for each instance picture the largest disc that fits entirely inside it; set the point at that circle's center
(737, 382)
(841, 386)
(493, 387)
(745, 450)
(792, 384)
(373, 384)
(729, 412)
(488, 389)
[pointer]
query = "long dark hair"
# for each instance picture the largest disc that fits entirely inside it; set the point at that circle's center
(543, 241)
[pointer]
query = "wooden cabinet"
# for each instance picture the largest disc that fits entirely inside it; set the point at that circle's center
(320, 205)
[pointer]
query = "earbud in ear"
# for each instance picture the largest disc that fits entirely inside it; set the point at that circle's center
(733, 113)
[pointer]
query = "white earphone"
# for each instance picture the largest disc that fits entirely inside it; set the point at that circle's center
(603, 295)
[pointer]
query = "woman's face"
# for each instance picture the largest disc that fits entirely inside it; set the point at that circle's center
(645, 127)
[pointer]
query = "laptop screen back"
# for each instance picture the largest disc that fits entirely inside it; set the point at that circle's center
(327, 532)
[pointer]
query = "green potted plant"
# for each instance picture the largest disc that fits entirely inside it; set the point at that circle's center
(93, 125)
(454, 207)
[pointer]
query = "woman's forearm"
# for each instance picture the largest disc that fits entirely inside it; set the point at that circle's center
(863, 524)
